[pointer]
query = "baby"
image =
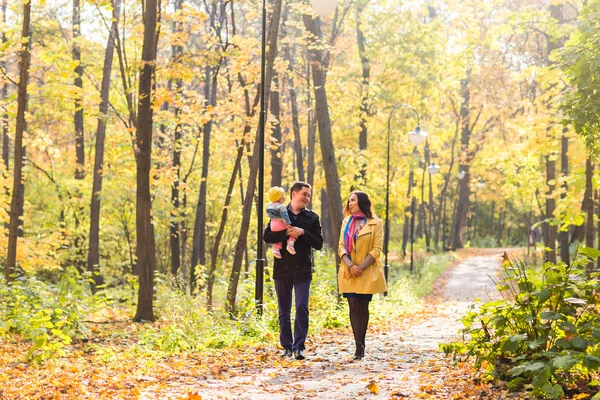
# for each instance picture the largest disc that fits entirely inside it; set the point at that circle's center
(280, 219)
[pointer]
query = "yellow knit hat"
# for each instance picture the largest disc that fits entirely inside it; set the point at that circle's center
(276, 193)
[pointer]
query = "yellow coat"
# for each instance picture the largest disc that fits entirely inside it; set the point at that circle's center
(369, 241)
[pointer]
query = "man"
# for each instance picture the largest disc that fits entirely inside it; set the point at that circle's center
(293, 273)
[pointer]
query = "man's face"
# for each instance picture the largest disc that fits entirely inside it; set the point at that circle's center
(300, 199)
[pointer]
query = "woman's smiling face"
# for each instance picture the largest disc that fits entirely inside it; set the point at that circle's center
(353, 204)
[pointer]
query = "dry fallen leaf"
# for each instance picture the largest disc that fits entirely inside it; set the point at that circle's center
(192, 396)
(373, 388)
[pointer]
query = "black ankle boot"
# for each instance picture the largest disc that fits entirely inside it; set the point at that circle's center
(360, 352)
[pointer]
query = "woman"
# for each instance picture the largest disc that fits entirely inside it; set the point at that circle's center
(360, 275)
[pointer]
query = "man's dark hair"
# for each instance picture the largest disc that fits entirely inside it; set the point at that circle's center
(298, 185)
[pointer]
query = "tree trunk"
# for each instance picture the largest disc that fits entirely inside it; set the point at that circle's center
(210, 99)
(328, 236)
(16, 200)
(224, 214)
(78, 118)
(442, 224)
(93, 262)
(500, 229)
(492, 213)
(463, 184)
(549, 227)
(3, 96)
(589, 225)
(295, 119)
(312, 130)
(199, 241)
(563, 235)
(146, 254)
(407, 210)
(432, 215)
(237, 172)
(276, 136)
(444, 193)
(242, 197)
(250, 189)
(422, 222)
(324, 124)
(475, 220)
(424, 205)
(365, 97)
(175, 225)
(597, 196)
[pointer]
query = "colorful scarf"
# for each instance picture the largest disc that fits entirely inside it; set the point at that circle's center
(352, 229)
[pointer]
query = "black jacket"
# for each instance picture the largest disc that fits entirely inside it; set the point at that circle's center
(300, 265)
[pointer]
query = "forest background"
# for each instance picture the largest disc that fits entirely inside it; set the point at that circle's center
(129, 137)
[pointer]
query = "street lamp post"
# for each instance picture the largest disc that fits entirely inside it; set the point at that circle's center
(260, 261)
(416, 138)
(323, 8)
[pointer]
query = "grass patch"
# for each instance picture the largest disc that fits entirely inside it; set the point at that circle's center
(184, 326)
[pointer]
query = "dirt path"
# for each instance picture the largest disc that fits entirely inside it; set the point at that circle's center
(403, 361)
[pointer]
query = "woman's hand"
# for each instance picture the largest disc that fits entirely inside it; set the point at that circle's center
(355, 270)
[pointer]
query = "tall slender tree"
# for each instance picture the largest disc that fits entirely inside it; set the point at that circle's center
(550, 228)
(145, 246)
(240, 246)
(174, 226)
(276, 135)
(563, 235)
(3, 96)
(16, 197)
(464, 188)
(366, 76)
(93, 262)
(78, 82)
(293, 98)
(319, 63)
(589, 225)
(217, 18)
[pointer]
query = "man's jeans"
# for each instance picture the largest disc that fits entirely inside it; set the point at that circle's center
(284, 303)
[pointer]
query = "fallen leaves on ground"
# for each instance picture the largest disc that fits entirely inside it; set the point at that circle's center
(107, 366)
(373, 388)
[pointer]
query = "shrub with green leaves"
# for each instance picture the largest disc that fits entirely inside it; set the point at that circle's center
(544, 333)
(48, 315)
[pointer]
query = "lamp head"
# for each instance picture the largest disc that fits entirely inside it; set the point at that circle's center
(433, 168)
(417, 136)
(461, 174)
(324, 7)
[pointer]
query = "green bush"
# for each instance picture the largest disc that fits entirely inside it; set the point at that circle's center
(545, 331)
(48, 315)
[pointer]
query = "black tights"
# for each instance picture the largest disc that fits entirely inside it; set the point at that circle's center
(359, 319)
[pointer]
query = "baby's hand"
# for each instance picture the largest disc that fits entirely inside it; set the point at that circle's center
(288, 226)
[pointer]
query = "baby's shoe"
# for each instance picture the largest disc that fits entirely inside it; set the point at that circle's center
(277, 253)
(290, 249)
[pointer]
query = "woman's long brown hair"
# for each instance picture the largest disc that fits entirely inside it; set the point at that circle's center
(364, 203)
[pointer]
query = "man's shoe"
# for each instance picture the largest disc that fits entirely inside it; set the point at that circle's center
(300, 355)
(287, 353)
